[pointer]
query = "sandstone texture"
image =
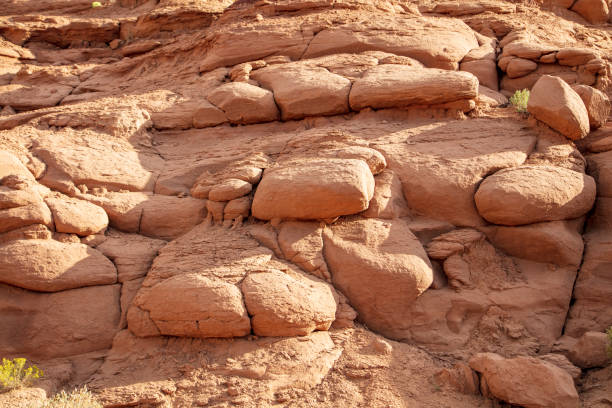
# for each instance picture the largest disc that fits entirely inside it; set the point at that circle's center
(314, 189)
(555, 103)
(526, 381)
(531, 194)
(302, 203)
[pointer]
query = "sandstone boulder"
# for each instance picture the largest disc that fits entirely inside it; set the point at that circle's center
(168, 217)
(597, 104)
(389, 86)
(556, 242)
(591, 350)
(283, 305)
(207, 115)
(229, 189)
(529, 194)
(74, 216)
(48, 325)
(192, 305)
(594, 11)
(20, 208)
(238, 207)
(381, 267)
(573, 56)
(555, 103)
(485, 70)
(303, 91)
(526, 381)
(592, 296)
(244, 103)
(314, 189)
(52, 266)
(518, 67)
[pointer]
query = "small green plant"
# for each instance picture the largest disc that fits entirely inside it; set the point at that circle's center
(609, 348)
(519, 100)
(78, 398)
(14, 374)
(96, 4)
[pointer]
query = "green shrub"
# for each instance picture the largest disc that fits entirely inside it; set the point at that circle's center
(609, 349)
(78, 398)
(14, 374)
(519, 100)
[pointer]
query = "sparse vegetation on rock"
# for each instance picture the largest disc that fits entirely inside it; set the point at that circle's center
(15, 373)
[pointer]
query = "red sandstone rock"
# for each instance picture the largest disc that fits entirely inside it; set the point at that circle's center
(531, 194)
(526, 381)
(555, 103)
(314, 189)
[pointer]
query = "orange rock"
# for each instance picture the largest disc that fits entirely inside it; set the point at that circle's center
(594, 11)
(380, 280)
(302, 91)
(555, 103)
(314, 189)
(66, 323)
(74, 216)
(526, 381)
(388, 86)
(284, 305)
(244, 103)
(195, 306)
(597, 104)
(529, 194)
(52, 266)
(591, 350)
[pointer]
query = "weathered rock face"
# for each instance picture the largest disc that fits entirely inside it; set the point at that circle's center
(305, 91)
(212, 277)
(58, 324)
(193, 194)
(555, 103)
(244, 103)
(381, 267)
(314, 189)
(525, 381)
(51, 266)
(74, 216)
(590, 350)
(597, 104)
(388, 86)
(280, 305)
(195, 306)
(531, 194)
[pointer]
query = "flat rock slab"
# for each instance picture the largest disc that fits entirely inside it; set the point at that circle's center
(302, 91)
(52, 266)
(555, 103)
(389, 86)
(529, 194)
(314, 189)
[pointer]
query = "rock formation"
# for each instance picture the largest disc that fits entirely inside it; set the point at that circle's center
(307, 203)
